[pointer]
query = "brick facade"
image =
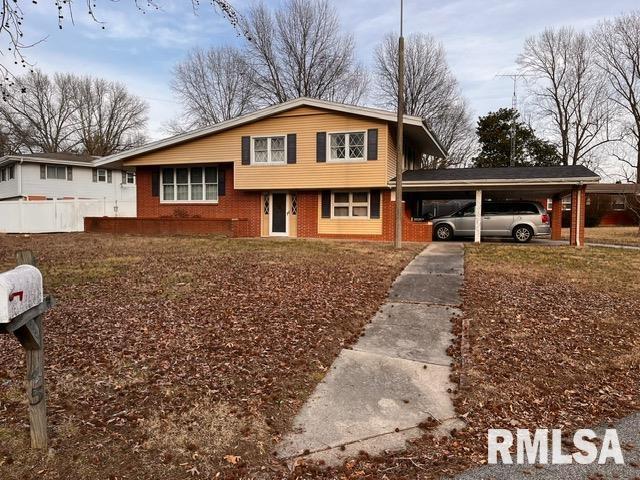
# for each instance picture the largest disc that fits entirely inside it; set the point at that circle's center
(239, 214)
(411, 231)
(234, 204)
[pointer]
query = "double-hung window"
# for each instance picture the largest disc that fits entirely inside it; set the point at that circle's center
(347, 146)
(269, 150)
(350, 204)
(190, 184)
(128, 178)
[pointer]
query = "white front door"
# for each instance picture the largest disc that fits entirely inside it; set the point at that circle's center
(279, 214)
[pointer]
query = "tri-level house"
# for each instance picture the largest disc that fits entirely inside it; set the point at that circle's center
(303, 168)
(311, 168)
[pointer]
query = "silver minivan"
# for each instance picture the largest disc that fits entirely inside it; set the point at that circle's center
(521, 220)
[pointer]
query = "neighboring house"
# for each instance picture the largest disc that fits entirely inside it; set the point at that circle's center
(608, 204)
(312, 168)
(49, 176)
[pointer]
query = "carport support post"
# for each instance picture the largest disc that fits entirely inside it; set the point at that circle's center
(578, 209)
(35, 375)
(478, 213)
(556, 218)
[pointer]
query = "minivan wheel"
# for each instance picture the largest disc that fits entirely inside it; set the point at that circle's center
(444, 232)
(522, 233)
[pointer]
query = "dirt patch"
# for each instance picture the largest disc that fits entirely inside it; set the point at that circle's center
(180, 357)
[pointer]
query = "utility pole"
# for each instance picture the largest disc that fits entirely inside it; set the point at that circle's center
(399, 141)
(514, 107)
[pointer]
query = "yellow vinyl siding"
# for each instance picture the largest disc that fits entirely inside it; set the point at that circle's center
(305, 122)
(392, 153)
(348, 226)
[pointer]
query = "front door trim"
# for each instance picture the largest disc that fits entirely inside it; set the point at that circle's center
(287, 216)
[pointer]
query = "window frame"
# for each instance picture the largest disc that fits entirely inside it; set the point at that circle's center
(53, 165)
(350, 205)
(347, 159)
(98, 170)
(619, 207)
(126, 174)
(203, 184)
(269, 161)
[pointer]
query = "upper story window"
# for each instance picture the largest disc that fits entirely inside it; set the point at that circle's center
(189, 184)
(347, 146)
(128, 178)
(56, 172)
(269, 149)
(350, 204)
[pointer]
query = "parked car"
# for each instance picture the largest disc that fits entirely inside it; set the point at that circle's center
(521, 220)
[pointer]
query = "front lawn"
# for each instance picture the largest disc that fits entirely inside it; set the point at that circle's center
(610, 235)
(553, 341)
(182, 357)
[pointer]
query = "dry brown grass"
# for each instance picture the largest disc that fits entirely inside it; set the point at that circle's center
(610, 235)
(166, 355)
(554, 342)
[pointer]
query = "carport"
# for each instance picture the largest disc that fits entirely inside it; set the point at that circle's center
(505, 183)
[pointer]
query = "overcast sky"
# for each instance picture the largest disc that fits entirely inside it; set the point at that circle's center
(482, 39)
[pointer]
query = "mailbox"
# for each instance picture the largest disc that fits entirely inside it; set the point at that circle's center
(20, 290)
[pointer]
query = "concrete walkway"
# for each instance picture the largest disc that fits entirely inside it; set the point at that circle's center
(397, 375)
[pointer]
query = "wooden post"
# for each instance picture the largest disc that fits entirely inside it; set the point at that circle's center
(35, 374)
(400, 138)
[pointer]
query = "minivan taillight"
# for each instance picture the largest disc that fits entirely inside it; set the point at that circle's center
(545, 218)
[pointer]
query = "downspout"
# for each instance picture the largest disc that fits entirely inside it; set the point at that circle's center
(20, 178)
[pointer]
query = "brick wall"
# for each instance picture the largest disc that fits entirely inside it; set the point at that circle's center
(411, 231)
(234, 204)
(166, 226)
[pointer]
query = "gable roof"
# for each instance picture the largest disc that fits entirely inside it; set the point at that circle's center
(415, 123)
(557, 174)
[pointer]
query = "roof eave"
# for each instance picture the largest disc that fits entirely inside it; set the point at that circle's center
(499, 182)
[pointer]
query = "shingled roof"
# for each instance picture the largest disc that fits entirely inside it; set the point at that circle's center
(564, 173)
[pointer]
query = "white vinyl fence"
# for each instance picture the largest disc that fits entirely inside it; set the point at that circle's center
(46, 216)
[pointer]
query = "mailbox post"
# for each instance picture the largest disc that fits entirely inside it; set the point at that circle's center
(22, 304)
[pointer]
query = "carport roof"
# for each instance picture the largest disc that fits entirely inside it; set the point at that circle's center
(566, 174)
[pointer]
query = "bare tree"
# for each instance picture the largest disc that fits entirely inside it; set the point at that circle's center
(39, 114)
(107, 118)
(68, 113)
(569, 90)
(617, 43)
(300, 50)
(431, 92)
(213, 86)
(12, 28)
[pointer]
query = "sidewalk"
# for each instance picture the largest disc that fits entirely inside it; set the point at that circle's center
(397, 375)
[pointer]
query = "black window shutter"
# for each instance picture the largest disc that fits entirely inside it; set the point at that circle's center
(326, 204)
(43, 172)
(155, 182)
(109, 176)
(372, 144)
(95, 174)
(321, 147)
(69, 173)
(221, 181)
(291, 148)
(374, 200)
(246, 150)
